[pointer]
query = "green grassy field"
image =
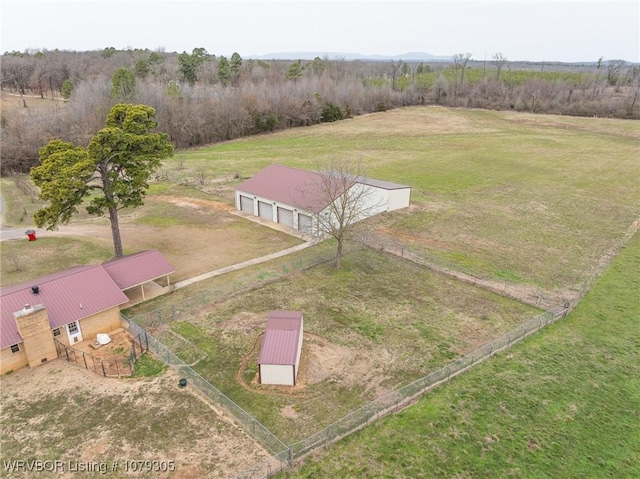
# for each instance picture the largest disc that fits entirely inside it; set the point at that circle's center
(527, 199)
(533, 198)
(563, 403)
(517, 197)
(375, 325)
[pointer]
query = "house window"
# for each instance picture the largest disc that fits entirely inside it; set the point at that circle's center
(15, 348)
(73, 327)
(56, 332)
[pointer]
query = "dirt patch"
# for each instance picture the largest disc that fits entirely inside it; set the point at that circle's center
(193, 249)
(206, 444)
(322, 360)
(195, 203)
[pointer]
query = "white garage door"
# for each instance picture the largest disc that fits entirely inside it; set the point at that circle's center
(246, 204)
(265, 210)
(285, 216)
(304, 223)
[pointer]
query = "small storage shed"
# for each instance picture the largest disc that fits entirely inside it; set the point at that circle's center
(279, 357)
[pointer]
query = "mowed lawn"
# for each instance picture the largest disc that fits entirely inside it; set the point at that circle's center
(373, 326)
(533, 199)
(564, 403)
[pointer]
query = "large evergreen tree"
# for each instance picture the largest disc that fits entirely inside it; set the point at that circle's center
(111, 173)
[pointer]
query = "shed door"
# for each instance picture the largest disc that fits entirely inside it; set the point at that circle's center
(246, 204)
(285, 216)
(265, 210)
(304, 223)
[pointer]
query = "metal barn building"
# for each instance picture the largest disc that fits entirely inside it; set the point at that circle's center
(298, 198)
(279, 357)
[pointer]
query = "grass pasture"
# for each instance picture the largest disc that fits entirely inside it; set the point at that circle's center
(563, 403)
(528, 199)
(535, 199)
(371, 327)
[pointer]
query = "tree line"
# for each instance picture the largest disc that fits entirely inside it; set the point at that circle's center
(200, 98)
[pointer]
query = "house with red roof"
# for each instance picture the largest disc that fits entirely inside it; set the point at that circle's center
(279, 358)
(300, 199)
(71, 306)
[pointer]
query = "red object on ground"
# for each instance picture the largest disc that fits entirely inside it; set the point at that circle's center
(32, 236)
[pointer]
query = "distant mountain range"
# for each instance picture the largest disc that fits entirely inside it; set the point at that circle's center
(409, 56)
(406, 57)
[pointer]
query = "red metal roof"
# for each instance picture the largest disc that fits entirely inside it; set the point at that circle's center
(280, 343)
(69, 296)
(305, 190)
(138, 268)
(297, 188)
(78, 292)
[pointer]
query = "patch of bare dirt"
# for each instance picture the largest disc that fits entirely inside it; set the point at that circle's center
(226, 445)
(322, 360)
(195, 203)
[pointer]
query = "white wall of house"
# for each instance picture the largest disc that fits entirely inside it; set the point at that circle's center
(277, 374)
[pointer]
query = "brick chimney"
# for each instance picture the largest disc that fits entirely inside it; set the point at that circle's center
(33, 326)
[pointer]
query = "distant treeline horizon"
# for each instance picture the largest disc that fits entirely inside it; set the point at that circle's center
(202, 98)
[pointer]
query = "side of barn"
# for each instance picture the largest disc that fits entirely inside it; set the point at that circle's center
(295, 198)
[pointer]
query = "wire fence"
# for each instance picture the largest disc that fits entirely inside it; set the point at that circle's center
(284, 455)
(250, 424)
(304, 259)
(402, 397)
(523, 293)
(113, 367)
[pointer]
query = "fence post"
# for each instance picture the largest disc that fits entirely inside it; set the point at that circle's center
(84, 358)
(104, 373)
(133, 351)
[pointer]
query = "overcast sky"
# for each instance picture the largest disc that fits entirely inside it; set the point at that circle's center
(553, 30)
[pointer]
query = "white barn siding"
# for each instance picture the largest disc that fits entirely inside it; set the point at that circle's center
(279, 357)
(277, 374)
(399, 198)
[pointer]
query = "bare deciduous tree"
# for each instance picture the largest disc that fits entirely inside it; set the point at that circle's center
(345, 198)
(499, 61)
